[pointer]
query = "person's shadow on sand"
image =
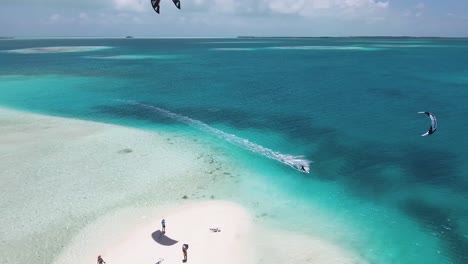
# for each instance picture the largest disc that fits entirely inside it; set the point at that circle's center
(162, 239)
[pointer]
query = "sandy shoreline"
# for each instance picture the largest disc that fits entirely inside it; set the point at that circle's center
(141, 240)
(60, 175)
(134, 236)
(76, 189)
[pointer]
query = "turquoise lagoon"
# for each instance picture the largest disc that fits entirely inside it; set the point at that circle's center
(347, 104)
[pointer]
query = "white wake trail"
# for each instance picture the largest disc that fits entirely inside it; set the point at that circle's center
(296, 162)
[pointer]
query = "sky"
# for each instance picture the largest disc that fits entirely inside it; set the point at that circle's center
(230, 18)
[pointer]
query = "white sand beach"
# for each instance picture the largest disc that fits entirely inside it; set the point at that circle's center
(59, 175)
(189, 223)
(72, 190)
(134, 236)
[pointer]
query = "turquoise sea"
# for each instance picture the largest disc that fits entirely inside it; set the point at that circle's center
(349, 105)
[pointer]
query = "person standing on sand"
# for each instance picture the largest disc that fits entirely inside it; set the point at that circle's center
(100, 260)
(163, 223)
(184, 250)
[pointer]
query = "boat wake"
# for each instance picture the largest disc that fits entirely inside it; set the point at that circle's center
(296, 162)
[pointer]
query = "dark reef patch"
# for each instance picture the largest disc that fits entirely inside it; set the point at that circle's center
(125, 151)
(442, 223)
(132, 112)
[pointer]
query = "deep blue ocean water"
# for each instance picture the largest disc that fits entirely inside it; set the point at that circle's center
(350, 105)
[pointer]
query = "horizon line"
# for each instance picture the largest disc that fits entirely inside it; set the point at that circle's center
(223, 37)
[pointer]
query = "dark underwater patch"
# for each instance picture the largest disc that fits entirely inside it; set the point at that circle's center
(294, 126)
(125, 151)
(127, 111)
(388, 93)
(442, 224)
(429, 166)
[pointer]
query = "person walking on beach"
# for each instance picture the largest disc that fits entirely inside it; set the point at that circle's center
(100, 260)
(184, 250)
(163, 223)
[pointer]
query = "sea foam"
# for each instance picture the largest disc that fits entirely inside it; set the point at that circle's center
(293, 161)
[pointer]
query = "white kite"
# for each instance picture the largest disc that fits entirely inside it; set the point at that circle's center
(434, 124)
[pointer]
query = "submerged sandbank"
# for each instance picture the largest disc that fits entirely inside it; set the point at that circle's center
(61, 49)
(59, 175)
(75, 189)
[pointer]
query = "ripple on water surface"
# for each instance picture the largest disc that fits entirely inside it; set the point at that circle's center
(135, 57)
(61, 49)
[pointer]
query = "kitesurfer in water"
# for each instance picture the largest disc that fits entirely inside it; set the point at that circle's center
(303, 169)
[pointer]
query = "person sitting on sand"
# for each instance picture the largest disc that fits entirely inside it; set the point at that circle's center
(100, 260)
(215, 230)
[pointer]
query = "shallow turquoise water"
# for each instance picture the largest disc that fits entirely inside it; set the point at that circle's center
(347, 104)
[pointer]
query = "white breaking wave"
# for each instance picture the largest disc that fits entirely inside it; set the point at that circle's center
(295, 162)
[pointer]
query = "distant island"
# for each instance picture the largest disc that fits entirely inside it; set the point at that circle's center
(6, 37)
(324, 37)
(129, 37)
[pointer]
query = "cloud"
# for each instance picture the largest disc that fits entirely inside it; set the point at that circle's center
(452, 15)
(131, 5)
(285, 6)
(328, 8)
(137, 20)
(83, 16)
(288, 6)
(415, 11)
(303, 8)
(224, 6)
(82, 4)
(54, 18)
(362, 4)
(198, 2)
